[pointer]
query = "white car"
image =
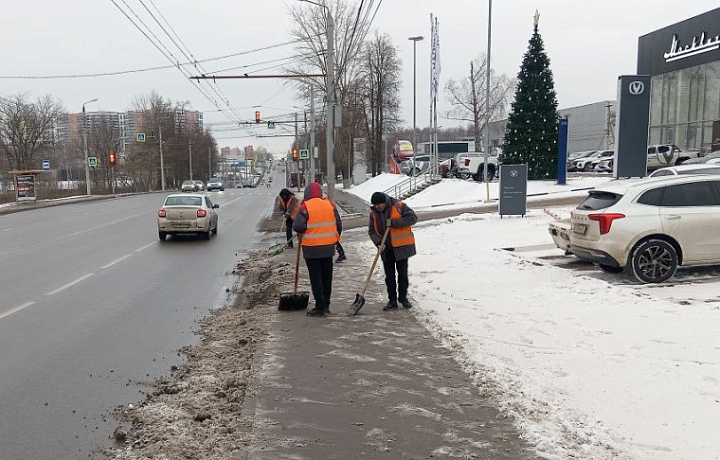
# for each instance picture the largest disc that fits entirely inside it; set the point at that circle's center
(651, 226)
(187, 213)
(604, 163)
(686, 169)
(585, 163)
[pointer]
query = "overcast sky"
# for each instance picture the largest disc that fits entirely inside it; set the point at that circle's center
(589, 42)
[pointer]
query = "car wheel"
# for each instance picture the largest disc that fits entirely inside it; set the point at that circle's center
(611, 269)
(415, 172)
(162, 235)
(654, 261)
(216, 229)
(588, 167)
(206, 235)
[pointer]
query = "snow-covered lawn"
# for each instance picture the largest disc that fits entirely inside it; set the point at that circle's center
(469, 193)
(590, 365)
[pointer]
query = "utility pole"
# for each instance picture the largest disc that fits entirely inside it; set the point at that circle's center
(487, 107)
(330, 105)
(415, 40)
(210, 172)
(190, 157)
(85, 148)
(312, 133)
(162, 162)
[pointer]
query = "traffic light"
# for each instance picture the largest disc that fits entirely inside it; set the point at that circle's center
(257, 116)
(295, 154)
(112, 158)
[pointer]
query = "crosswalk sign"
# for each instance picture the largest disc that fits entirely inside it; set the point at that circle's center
(140, 137)
(304, 154)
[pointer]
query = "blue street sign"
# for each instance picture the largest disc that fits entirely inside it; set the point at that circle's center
(92, 162)
(271, 125)
(46, 165)
(304, 154)
(140, 137)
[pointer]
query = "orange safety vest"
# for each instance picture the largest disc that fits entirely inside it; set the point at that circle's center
(295, 208)
(321, 224)
(399, 236)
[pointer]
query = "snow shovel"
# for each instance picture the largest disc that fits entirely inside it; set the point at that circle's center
(295, 300)
(279, 247)
(360, 298)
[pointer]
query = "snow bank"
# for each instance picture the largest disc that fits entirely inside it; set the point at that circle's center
(588, 368)
(378, 183)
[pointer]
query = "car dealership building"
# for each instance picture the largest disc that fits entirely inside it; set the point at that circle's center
(684, 62)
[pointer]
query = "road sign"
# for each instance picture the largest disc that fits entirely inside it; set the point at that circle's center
(92, 162)
(46, 165)
(140, 137)
(271, 125)
(304, 154)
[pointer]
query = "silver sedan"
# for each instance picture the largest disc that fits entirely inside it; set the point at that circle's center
(187, 213)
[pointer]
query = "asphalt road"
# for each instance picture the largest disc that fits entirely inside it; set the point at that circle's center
(93, 306)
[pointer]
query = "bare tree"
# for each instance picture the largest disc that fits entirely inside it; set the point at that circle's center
(381, 102)
(467, 96)
(27, 130)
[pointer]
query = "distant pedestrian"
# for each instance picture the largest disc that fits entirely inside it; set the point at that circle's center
(289, 206)
(319, 223)
(399, 245)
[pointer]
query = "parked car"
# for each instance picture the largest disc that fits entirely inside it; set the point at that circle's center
(712, 157)
(200, 185)
(585, 163)
(189, 186)
(686, 169)
(183, 213)
(650, 226)
(577, 156)
(215, 184)
(474, 166)
(604, 162)
(560, 231)
(660, 156)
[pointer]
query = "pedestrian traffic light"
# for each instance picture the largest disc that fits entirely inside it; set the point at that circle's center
(257, 116)
(295, 154)
(112, 158)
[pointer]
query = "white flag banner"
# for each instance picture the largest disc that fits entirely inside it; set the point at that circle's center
(434, 57)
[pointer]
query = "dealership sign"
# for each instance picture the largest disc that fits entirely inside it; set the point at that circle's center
(699, 45)
(688, 43)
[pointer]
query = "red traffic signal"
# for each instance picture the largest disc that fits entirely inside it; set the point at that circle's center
(112, 159)
(257, 116)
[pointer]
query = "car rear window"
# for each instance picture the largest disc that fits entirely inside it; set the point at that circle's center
(183, 201)
(599, 200)
(701, 171)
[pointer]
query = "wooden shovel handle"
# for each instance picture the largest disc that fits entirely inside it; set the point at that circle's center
(377, 256)
(297, 263)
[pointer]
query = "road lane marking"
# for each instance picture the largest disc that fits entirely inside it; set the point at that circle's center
(145, 247)
(108, 224)
(6, 230)
(232, 201)
(116, 261)
(70, 284)
(16, 309)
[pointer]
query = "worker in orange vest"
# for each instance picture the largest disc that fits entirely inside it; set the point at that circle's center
(289, 206)
(399, 245)
(319, 223)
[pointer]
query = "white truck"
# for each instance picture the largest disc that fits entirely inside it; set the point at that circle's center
(473, 164)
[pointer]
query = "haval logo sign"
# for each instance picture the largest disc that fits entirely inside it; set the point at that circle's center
(513, 173)
(636, 88)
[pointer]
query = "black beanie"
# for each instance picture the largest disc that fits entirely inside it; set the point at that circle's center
(377, 198)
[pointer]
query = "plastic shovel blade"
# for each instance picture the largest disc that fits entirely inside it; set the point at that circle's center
(357, 305)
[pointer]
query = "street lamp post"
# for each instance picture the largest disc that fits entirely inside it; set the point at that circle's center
(487, 105)
(85, 148)
(415, 40)
(330, 83)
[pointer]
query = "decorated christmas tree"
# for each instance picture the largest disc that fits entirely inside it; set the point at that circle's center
(531, 134)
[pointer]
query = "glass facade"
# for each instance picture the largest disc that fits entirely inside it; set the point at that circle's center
(685, 108)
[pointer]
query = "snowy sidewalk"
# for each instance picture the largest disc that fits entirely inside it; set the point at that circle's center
(377, 385)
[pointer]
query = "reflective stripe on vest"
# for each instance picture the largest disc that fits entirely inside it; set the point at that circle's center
(321, 226)
(398, 236)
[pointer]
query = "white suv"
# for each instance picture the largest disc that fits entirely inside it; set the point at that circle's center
(651, 226)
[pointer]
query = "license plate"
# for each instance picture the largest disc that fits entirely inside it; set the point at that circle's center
(580, 229)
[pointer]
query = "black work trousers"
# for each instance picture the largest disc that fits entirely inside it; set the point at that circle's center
(288, 228)
(321, 273)
(395, 289)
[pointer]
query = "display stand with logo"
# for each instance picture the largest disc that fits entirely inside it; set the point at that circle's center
(513, 190)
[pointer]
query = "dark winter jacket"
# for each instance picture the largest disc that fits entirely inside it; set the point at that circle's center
(314, 192)
(407, 219)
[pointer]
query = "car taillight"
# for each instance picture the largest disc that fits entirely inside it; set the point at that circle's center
(162, 213)
(201, 213)
(605, 220)
(467, 161)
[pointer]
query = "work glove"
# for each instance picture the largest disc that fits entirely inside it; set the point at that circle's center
(388, 223)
